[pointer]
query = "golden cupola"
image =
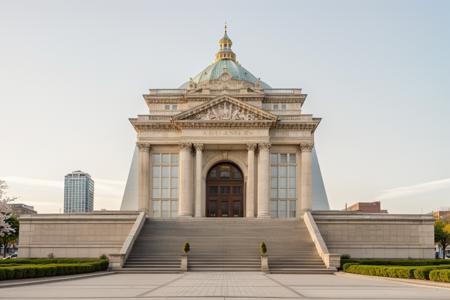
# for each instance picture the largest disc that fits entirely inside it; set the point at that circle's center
(225, 52)
(225, 62)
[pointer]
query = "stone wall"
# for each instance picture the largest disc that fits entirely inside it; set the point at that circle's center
(363, 235)
(74, 235)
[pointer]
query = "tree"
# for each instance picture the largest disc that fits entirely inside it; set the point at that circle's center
(442, 234)
(7, 230)
(12, 237)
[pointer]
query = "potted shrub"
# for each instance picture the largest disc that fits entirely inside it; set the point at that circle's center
(264, 258)
(186, 248)
(184, 257)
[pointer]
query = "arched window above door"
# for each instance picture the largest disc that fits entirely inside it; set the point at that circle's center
(225, 171)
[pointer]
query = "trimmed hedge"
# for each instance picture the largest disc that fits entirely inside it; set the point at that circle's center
(408, 272)
(424, 272)
(17, 271)
(397, 262)
(385, 271)
(38, 261)
(440, 275)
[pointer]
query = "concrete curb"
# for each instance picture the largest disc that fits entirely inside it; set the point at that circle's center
(32, 281)
(416, 282)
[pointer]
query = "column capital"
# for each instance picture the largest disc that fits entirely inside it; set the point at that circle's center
(143, 147)
(251, 147)
(306, 147)
(185, 145)
(264, 146)
(198, 147)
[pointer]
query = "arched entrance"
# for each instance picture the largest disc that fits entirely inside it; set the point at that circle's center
(224, 191)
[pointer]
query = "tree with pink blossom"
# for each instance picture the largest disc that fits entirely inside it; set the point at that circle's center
(5, 211)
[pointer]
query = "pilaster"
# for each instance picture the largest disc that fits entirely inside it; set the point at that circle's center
(144, 177)
(250, 192)
(186, 193)
(306, 176)
(263, 180)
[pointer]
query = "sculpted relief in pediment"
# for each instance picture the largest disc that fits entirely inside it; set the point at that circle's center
(226, 111)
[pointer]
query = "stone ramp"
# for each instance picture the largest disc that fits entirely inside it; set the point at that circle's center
(224, 244)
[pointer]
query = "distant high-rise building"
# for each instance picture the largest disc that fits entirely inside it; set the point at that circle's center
(78, 192)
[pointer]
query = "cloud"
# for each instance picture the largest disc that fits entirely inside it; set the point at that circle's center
(102, 187)
(34, 181)
(414, 189)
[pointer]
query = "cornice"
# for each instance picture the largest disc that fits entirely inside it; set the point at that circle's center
(223, 124)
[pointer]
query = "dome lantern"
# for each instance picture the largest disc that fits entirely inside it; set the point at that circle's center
(225, 52)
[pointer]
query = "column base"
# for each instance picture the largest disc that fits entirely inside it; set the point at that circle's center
(264, 217)
(185, 216)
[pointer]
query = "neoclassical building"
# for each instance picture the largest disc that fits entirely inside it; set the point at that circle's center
(225, 144)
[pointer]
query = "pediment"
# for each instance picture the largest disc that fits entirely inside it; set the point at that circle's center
(224, 109)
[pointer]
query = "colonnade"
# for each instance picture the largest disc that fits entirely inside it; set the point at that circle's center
(190, 183)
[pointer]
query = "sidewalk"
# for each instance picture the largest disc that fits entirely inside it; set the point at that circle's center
(40, 280)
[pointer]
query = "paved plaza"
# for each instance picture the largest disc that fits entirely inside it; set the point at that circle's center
(225, 286)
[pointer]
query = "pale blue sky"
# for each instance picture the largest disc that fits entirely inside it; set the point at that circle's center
(377, 72)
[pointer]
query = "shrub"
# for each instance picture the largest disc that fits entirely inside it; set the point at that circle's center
(19, 261)
(345, 256)
(103, 256)
(397, 262)
(263, 248)
(10, 271)
(346, 265)
(440, 275)
(186, 248)
(423, 272)
(385, 271)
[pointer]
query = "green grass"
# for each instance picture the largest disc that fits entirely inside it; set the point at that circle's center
(30, 268)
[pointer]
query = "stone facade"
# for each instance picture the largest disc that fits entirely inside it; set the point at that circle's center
(225, 115)
(74, 235)
(370, 235)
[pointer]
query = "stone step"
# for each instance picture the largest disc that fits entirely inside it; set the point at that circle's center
(302, 271)
(223, 244)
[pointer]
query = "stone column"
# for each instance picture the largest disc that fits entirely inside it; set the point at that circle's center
(198, 179)
(306, 176)
(144, 177)
(250, 197)
(263, 180)
(186, 181)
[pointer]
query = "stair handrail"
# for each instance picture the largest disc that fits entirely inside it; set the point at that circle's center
(131, 238)
(330, 260)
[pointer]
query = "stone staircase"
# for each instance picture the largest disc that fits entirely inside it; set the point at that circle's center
(224, 244)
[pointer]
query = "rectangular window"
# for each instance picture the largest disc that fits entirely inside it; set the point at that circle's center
(170, 107)
(165, 185)
(283, 185)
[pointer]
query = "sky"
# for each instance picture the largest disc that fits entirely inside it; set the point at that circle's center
(377, 72)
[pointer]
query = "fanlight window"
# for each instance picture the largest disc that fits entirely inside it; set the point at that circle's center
(225, 171)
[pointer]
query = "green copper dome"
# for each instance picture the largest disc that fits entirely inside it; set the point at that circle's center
(225, 61)
(237, 72)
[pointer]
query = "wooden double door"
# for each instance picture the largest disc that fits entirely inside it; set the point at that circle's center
(225, 191)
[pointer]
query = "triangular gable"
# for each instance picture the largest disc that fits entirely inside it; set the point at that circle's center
(225, 108)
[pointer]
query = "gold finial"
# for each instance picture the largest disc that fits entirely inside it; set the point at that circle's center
(225, 52)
